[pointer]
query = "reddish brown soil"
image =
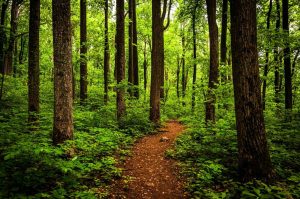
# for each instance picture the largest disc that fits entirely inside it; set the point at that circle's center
(148, 173)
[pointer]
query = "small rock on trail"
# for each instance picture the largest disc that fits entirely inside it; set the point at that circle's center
(147, 173)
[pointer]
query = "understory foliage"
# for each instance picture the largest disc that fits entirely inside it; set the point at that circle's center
(31, 166)
(208, 154)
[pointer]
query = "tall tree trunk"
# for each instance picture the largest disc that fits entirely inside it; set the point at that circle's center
(21, 53)
(63, 76)
(130, 48)
(135, 51)
(83, 52)
(178, 77)
(266, 68)
(156, 61)
(194, 56)
(287, 58)
(120, 59)
(2, 36)
(34, 62)
(13, 31)
(224, 37)
(254, 158)
(183, 73)
(145, 67)
(276, 55)
(106, 53)
(214, 60)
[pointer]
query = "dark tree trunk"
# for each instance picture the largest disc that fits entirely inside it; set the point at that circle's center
(63, 76)
(266, 68)
(83, 52)
(34, 62)
(2, 36)
(130, 48)
(22, 50)
(254, 158)
(145, 67)
(156, 61)
(276, 55)
(120, 59)
(135, 51)
(194, 56)
(287, 56)
(177, 77)
(106, 53)
(294, 62)
(183, 73)
(224, 37)
(12, 38)
(214, 60)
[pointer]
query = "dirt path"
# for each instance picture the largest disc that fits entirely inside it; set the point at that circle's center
(147, 173)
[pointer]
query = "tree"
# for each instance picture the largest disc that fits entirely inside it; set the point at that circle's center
(214, 60)
(120, 59)
(63, 89)
(156, 61)
(83, 51)
(106, 53)
(130, 47)
(34, 61)
(8, 61)
(224, 37)
(266, 68)
(194, 53)
(135, 51)
(287, 57)
(276, 55)
(253, 154)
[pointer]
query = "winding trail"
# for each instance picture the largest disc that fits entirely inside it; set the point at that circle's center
(147, 173)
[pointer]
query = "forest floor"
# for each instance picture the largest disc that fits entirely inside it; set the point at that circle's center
(147, 173)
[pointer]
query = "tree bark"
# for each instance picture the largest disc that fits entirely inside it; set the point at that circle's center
(145, 67)
(34, 62)
(2, 36)
(21, 53)
(253, 154)
(183, 73)
(120, 59)
(266, 68)
(178, 77)
(135, 51)
(214, 60)
(83, 52)
(130, 49)
(63, 89)
(287, 58)
(157, 61)
(12, 38)
(106, 53)
(224, 38)
(194, 57)
(276, 55)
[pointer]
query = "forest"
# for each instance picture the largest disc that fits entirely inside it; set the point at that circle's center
(141, 99)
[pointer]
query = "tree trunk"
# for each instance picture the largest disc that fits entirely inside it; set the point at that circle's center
(253, 154)
(156, 61)
(266, 68)
(83, 52)
(22, 50)
(177, 77)
(287, 58)
(63, 89)
(120, 59)
(183, 76)
(106, 53)
(135, 51)
(2, 36)
(145, 67)
(224, 37)
(13, 31)
(194, 57)
(34, 62)
(214, 60)
(276, 55)
(130, 49)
